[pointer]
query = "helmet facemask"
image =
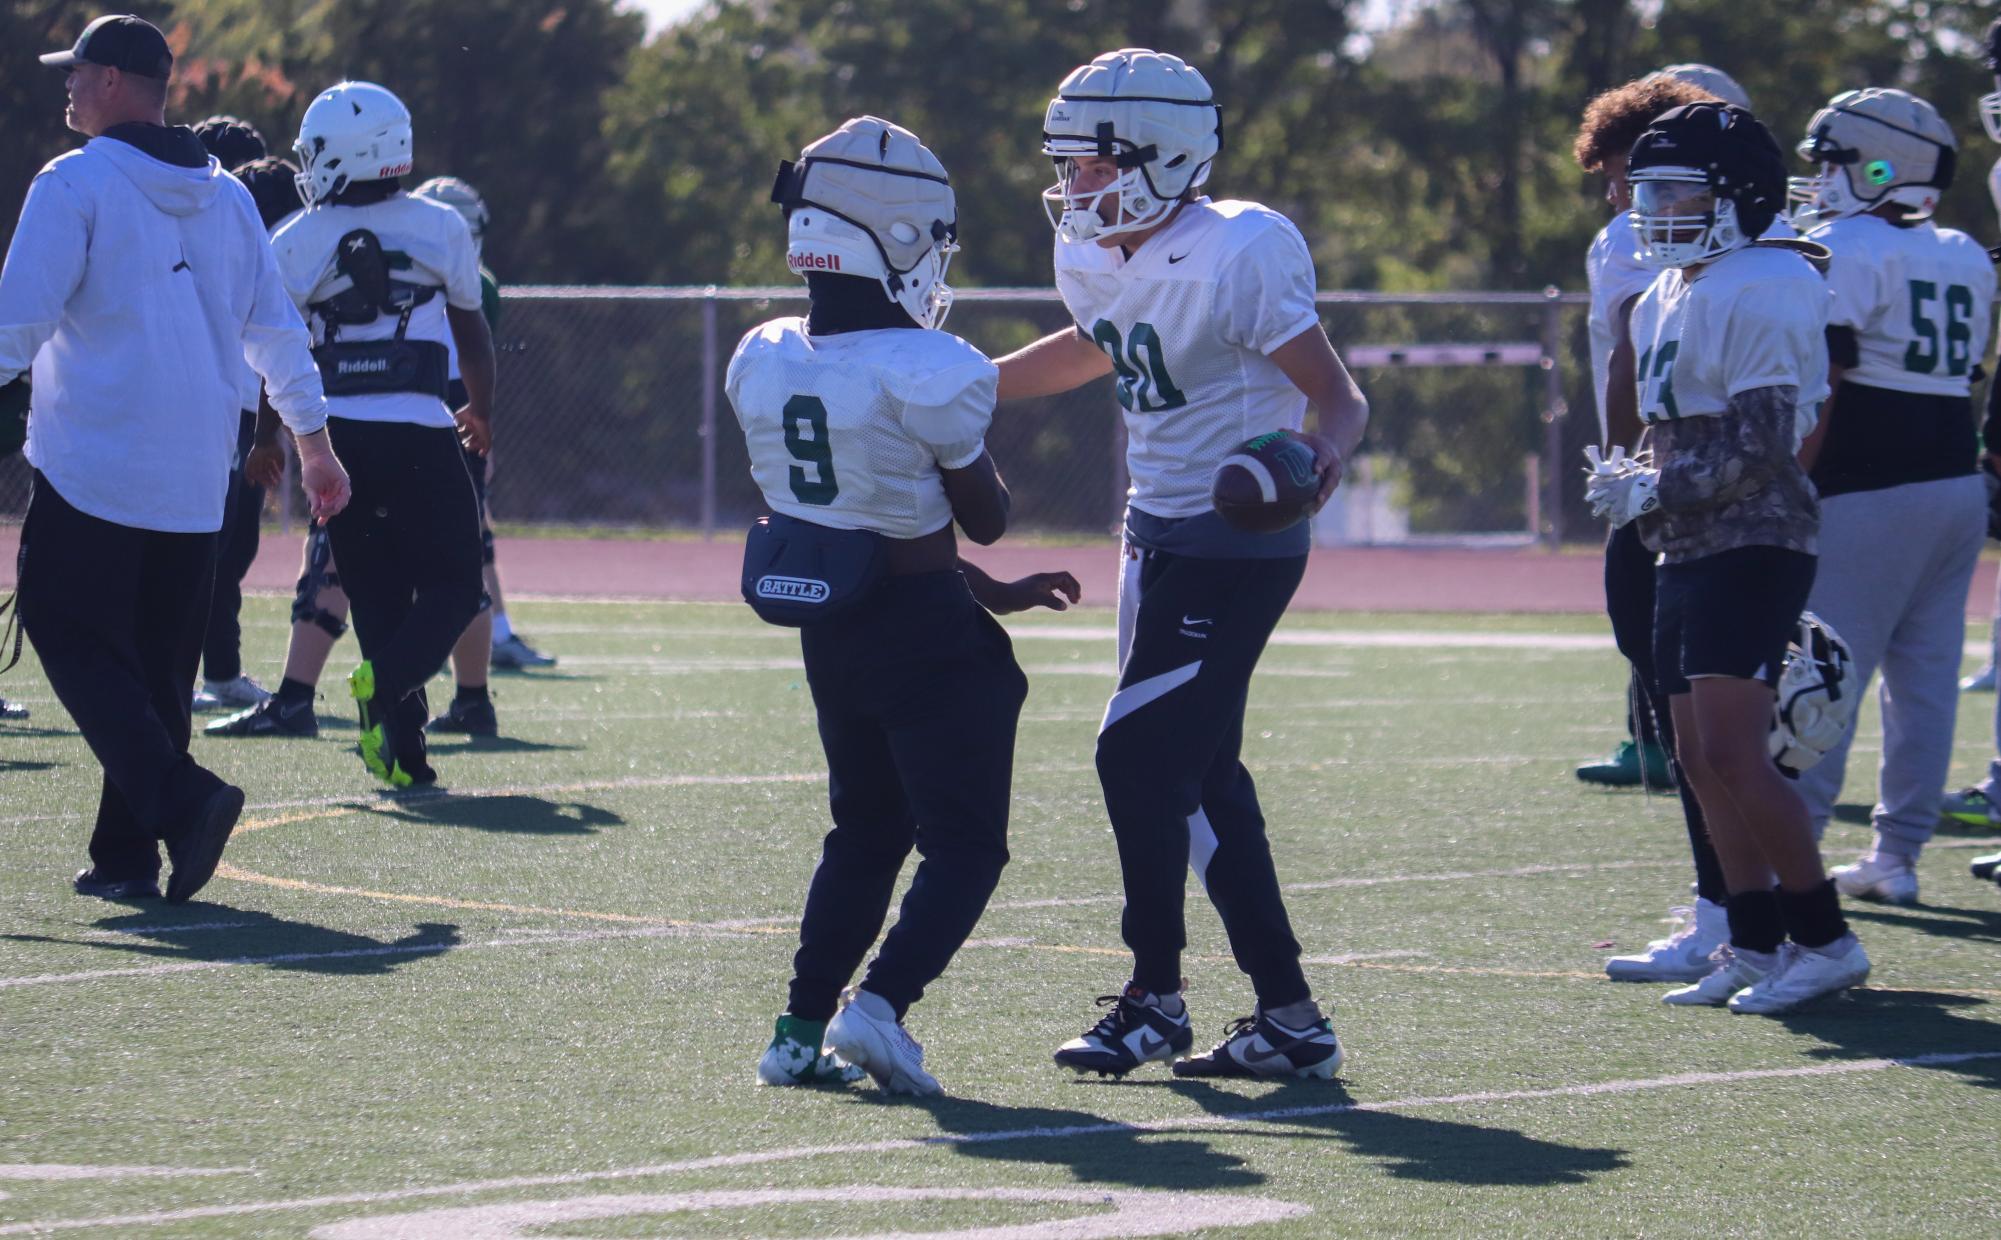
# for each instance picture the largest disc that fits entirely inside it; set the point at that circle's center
(1079, 215)
(1679, 220)
(1990, 114)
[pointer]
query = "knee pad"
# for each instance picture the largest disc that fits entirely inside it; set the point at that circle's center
(318, 576)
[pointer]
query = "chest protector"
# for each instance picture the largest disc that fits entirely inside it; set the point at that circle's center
(368, 367)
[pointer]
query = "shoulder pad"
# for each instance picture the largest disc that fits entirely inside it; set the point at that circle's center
(1812, 251)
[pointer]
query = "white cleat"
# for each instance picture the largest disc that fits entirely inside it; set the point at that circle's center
(1730, 971)
(1805, 974)
(234, 694)
(1683, 956)
(882, 1048)
(1887, 880)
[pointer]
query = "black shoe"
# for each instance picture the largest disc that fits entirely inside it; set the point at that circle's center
(467, 716)
(1134, 1032)
(269, 718)
(1988, 866)
(198, 850)
(1257, 1045)
(87, 883)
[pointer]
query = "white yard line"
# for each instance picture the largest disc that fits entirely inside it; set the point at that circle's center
(1281, 1115)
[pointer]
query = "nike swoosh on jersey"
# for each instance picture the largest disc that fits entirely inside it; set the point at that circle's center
(1175, 258)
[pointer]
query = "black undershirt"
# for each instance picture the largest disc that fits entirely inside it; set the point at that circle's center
(1878, 438)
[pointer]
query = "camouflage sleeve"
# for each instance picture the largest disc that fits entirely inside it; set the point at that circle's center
(1750, 444)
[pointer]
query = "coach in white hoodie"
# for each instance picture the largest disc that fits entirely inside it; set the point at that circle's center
(138, 281)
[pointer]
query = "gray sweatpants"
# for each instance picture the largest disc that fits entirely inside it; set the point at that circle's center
(1894, 569)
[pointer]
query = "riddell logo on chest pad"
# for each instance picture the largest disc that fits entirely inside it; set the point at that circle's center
(813, 262)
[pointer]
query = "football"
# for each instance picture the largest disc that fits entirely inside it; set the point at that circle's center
(1267, 484)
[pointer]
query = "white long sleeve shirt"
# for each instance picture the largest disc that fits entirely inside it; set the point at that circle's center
(136, 289)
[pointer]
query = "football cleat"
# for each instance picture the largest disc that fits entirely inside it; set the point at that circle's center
(1134, 1032)
(1257, 1045)
(377, 745)
(12, 710)
(515, 655)
(1682, 956)
(465, 717)
(197, 850)
(1629, 766)
(1732, 970)
(1805, 974)
(222, 694)
(882, 1048)
(1981, 681)
(795, 1058)
(1886, 880)
(90, 883)
(1988, 866)
(269, 718)
(1972, 807)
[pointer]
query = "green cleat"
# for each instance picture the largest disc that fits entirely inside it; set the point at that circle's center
(1625, 766)
(1970, 806)
(795, 1058)
(378, 750)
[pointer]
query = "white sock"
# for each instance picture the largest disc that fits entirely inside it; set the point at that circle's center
(874, 1005)
(502, 630)
(1301, 1015)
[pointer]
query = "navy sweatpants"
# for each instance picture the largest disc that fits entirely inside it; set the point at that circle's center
(918, 694)
(1168, 760)
(235, 550)
(116, 616)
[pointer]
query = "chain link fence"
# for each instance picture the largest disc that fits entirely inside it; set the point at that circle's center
(612, 414)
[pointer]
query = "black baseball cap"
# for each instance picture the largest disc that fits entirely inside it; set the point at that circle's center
(119, 41)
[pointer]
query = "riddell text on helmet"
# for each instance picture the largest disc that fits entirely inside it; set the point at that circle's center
(813, 262)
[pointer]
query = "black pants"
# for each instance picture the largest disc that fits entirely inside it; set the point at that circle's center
(1168, 763)
(1629, 602)
(918, 695)
(236, 547)
(116, 616)
(408, 549)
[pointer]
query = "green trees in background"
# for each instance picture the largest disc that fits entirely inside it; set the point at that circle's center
(1432, 155)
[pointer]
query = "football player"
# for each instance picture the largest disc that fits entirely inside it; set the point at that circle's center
(866, 428)
(1205, 311)
(1980, 805)
(1903, 510)
(383, 278)
(1732, 365)
(1612, 123)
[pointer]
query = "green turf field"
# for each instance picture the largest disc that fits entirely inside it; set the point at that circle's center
(534, 1002)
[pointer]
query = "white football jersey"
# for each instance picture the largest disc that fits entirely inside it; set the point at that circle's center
(1919, 299)
(1189, 323)
(1613, 272)
(1756, 317)
(426, 242)
(850, 430)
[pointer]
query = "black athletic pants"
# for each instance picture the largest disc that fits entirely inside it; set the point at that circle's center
(917, 693)
(1629, 602)
(236, 547)
(408, 550)
(116, 616)
(1168, 762)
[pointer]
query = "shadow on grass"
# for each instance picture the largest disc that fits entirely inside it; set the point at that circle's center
(1898, 1024)
(517, 813)
(177, 934)
(1946, 921)
(34, 731)
(1410, 1147)
(1093, 1149)
(8, 765)
(492, 745)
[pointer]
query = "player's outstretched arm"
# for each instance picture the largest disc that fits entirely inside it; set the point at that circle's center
(1309, 360)
(1056, 363)
(1049, 590)
(979, 499)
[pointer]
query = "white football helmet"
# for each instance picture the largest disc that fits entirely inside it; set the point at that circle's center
(1709, 78)
(1151, 112)
(1817, 696)
(870, 199)
(1874, 147)
(354, 131)
(461, 198)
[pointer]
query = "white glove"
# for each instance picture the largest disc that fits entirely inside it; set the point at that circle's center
(1624, 496)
